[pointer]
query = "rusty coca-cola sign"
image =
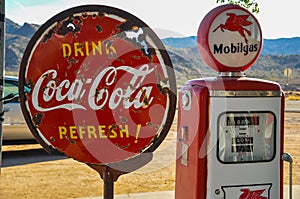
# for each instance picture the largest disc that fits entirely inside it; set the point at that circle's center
(97, 84)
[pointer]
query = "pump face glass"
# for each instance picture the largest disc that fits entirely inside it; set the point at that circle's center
(246, 137)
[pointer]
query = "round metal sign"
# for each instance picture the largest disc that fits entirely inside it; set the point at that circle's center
(101, 85)
(229, 39)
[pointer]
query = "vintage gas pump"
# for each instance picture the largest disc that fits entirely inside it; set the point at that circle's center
(230, 127)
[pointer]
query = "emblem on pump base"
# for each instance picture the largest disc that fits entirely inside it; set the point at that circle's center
(259, 191)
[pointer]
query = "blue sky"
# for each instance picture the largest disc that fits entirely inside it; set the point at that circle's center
(177, 18)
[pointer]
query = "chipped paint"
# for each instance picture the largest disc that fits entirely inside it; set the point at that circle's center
(37, 119)
(100, 81)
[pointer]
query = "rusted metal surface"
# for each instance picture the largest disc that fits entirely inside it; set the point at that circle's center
(102, 86)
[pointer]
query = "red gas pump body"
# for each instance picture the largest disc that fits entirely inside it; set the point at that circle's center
(230, 127)
(193, 167)
(191, 175)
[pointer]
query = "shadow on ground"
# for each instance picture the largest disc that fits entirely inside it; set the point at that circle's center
(22, 157)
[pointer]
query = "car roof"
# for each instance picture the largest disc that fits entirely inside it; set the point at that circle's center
(12, 78)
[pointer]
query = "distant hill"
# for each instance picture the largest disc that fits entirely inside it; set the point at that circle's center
(277, 54)
(26, 30)
(282, 46)
(17, 38)
(188, 65)
(184, 42)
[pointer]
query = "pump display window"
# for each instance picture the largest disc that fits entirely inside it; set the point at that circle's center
(246, 137)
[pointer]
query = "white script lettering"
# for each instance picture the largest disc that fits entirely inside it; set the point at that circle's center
(73, 92)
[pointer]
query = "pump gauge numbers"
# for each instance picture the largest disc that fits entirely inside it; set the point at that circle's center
(246, 136)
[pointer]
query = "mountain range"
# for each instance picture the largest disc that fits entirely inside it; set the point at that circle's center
(277, 54)
(281, 46)
(17, 38)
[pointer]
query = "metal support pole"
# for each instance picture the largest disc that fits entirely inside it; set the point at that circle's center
(111, 172)
(2, 66)
(108, 180)
(109, 176)
(288, 158)
(291, 180)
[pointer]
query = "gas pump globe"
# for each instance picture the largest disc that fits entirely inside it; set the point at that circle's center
(230, 127)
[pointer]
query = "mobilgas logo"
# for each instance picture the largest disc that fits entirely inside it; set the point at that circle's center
(234, 38)
(236, 23)
(235, 48)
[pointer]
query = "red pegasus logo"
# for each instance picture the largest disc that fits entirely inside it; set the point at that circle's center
(236, 23)
(247, 194)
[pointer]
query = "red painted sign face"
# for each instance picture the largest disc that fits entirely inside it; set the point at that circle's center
(102, 86)
(229, 39)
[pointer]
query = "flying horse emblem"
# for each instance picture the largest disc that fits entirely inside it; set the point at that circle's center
(236, 23)
(247, 194)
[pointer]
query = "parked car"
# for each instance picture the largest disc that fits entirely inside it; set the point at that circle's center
(14, 126)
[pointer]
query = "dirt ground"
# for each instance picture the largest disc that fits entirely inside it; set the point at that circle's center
(71, 179)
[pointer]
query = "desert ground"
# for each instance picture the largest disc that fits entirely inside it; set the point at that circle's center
(68, 178)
